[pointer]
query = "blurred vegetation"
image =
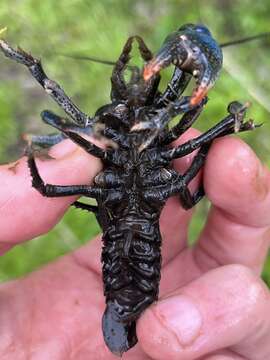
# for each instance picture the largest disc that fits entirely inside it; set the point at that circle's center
(100, 28)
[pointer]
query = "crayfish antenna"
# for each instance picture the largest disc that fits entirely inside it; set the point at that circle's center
(245, 39)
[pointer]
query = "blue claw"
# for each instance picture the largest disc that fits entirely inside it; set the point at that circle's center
(192, 49)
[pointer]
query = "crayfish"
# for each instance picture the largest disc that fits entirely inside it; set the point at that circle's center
(137, 176)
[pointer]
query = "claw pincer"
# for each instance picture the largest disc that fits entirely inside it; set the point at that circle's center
(192, 49)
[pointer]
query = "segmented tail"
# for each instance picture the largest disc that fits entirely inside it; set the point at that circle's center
(131, 272)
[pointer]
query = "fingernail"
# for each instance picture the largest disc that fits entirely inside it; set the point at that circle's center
(180, 315)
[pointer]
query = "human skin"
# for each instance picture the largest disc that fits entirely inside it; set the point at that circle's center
(213, 304)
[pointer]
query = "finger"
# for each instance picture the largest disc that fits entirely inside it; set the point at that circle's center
(225, 308)
(55, 313)
(237, 230)
(174, 219)
(23, 206)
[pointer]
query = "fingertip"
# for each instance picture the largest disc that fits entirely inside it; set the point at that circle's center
(233, 175)
(232, 164)
(224, 307)
(168, 327)
(74, 168)
(154, 338)
(21, 204)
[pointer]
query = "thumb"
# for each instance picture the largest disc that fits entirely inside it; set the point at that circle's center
(214, 312)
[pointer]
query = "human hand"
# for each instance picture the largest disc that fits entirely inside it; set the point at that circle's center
(211, 298)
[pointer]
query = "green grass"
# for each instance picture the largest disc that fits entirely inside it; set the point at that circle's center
(100, 28)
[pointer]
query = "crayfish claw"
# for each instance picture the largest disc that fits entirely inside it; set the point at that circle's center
(192, 49)
(238, 110)
(235, 107)
(198, 94)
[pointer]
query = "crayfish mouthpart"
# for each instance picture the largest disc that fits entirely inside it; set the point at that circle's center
(142, 125)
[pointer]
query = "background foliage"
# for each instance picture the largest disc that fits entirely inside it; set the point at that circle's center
(100, 28)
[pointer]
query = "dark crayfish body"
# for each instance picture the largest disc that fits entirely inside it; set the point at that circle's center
(138, 176)
(129, 217)
(131, 252)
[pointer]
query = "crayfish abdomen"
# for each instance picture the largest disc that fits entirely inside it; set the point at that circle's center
(131, 273)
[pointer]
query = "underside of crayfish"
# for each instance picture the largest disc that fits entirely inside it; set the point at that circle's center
(138, 176)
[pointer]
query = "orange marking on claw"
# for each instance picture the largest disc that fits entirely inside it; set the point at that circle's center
(198, 95)
(150, 70)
